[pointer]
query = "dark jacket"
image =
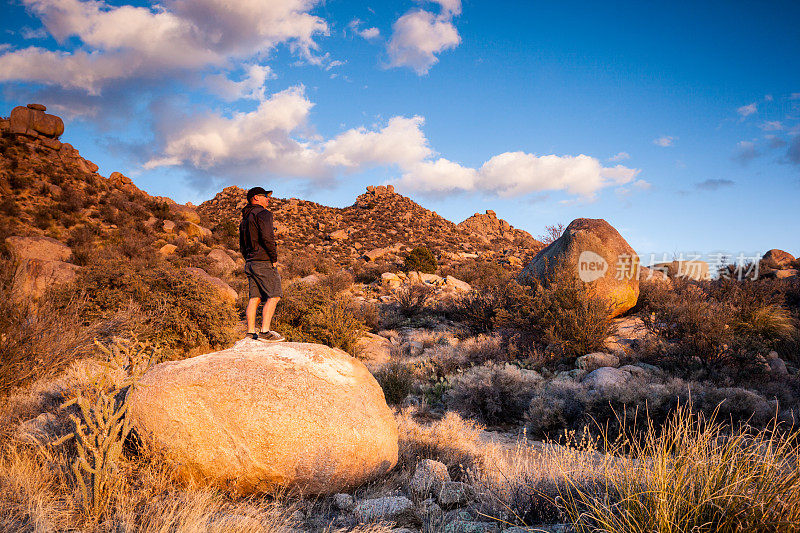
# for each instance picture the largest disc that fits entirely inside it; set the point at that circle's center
(257, 235)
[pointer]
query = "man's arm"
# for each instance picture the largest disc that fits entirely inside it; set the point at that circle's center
(266, 233)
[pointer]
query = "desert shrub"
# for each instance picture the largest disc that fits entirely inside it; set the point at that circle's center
(9, 207)
(482, 275)
(493, 393)
(178, 312)
(564, 315)
(70, 200)
(311, 312)
(370, 272)
(695, 476)
(562, 405)
(396, 379)
(491, 308)
(299, 264)
(413, 297)
(421, 259)
(39, 340)
(338, 281)
(451, 440)
(18, 180)
(160, 209)
(726, 322)
(42, 217)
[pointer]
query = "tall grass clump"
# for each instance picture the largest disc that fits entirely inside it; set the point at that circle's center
(696, 475)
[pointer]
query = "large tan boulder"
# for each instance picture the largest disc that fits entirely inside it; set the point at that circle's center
(33, 121)
(262, 417)
(778, 259)
(33, 277)
(225, 291)
(592, 250)
(38, 247)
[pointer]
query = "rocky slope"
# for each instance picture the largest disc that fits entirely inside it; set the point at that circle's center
(381, 224)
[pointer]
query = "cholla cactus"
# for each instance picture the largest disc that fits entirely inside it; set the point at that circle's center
(102, 428)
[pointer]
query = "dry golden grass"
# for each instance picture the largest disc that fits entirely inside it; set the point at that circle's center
(695, 476)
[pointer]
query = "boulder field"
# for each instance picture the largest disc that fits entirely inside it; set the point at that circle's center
(262, 417)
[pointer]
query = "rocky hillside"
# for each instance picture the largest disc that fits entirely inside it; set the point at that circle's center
(381, 224)
(49, 190)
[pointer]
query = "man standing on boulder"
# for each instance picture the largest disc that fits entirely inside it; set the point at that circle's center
(257, 244)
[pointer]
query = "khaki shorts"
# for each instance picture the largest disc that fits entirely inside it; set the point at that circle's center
(264, 279)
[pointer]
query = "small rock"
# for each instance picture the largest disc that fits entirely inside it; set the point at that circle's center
(778, 366)
(606, 377)
(167, 249)
(455, 493)
(343, 501)
(461, 526)
(456, 284)
(169, 226)
(429, 477)
(596, 360)
(391, 508)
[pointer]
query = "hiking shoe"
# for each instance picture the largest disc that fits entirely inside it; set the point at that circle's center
(271, 336)
(253, 336)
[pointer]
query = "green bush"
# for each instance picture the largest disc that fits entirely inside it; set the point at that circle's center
(421, 259)
(558, 312)
(396, 379)
(178, 312)
(311, 312)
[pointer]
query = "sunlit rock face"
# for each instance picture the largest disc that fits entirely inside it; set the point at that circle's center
(262, 417)
(592, 250)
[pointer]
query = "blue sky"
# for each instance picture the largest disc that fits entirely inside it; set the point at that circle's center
(679, 123)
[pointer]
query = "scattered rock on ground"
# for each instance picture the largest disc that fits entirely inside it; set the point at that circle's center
(343, 501)
(389, 508)
(593, 361)
(455, 493)
(606, 377)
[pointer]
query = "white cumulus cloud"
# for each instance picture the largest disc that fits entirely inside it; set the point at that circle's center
(128, 42)
(270, 140)
(419, 35)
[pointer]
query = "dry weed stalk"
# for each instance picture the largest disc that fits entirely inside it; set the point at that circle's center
(102, 428)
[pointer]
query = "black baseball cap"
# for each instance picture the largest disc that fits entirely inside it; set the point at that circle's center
(255, 191)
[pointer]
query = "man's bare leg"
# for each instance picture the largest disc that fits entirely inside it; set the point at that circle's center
(252, 308)
(268, 312)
